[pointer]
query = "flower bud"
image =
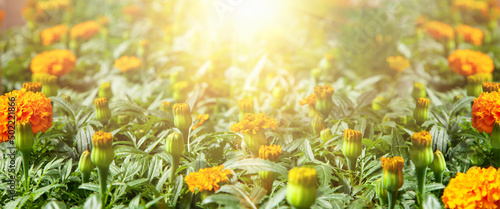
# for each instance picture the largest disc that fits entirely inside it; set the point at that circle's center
(66, 97)
(166, 107)
(325, 134)
(105, 91)
(378, 103)
(254, 141)
(381, 192)
(33, 86)
(182, 118)
(494, 137)
(102, 149)
(352, 147)
(421, 150)
(438, 164)
(301, 187)
(85, 165)
(175, 144)
(271, 153)
(392, 178)
(49, 84)
(402, 120)
(418, 90)
(123, 119)
(246, 106)
(457, 97)
(324, 103)
(23, 135)
(421, 110)
(317, 124)
(490, 86)
(103, 114)
(475, 85)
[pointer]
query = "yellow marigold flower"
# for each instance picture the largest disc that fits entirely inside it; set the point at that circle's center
(127, 63)
(324, 92)
(253, 123)
(271, 152)
(57, 62)
(467, 62)
(53, 34)
(490, 86)
(33, 86)
(398, 63)
(478, 188)
(132, 11)
(202, 119)
(207, 178)
(470, 34)
(309, 100)
(85, 30)
(439, 31)
(31, 107)
(485, 111)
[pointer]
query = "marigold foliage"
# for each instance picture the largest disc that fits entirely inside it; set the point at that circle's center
(127, 63)
(85, 30)
(470, 34)
(324, 92)
(398, 63)
(467, 62)
(478, 188)
(392, 164)
(253, 123)
(57, 62)
(53, 34)
(207, 178)
(485, 111)
(31, 107)
(309, 100)
(270, 152)
(439, 31)
(202, 119)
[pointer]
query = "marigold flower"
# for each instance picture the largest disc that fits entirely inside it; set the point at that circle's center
(392, 178)
(467, 62)
(253, 123)
(398, 63)
(102, 152)
(33, 86)
(421, 139)
(53, 34)
(352, 147)
(421, 112)
(470, 34)
(270, 152)
(207, 178)
(85, 30)
(301, 187)
(57, 62)
(127, 63)
(439, 31)
(2, 16)
(102, 111)
(309, 100)
(202, 119)
(490, 86)
(478, 188)
(132, 11)
(324, 92)
(485, 111)
(31, 107)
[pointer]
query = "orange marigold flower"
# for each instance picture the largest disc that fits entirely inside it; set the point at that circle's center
(490, 86)
(202, 119)
(324, 92)
(478, 188)
(53, 34)
(467, 62)
(85, 30)
(127, 63)
(271, 152)
(439, 31)
(57, 62)
(398, 63)
(207, 178)
(485, 111)
(470, 34)
(254, 122)
(132, 11)
(309, 100)
(31, 107)
(2, 16)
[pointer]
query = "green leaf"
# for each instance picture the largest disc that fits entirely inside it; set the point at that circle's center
(276, 199)
(431, 202)
(54, 205)
(255, 165)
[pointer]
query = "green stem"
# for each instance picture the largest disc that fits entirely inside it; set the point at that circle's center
(103, 176)
(392, 196)
(85, 177)
(496, 157)
(351, 164)
(26, 166)
(438, 177)
(175, 165)
(421, 173)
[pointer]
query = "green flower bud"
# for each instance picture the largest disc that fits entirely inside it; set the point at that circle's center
(317, 124)
(326, 134)
(392, 178)
(49, 85)
(378, 103)
(33, 86)
(352, 147)
(475, 85)
(438, 166)
(271, 153)
(175, 144)
(166, 107)
(23, 135)
(105, 91)
(421, 110)
(182, 119)
(254, 141)
(103, 114)
(402, 120)
(421, 152)
(301, 187)
(102, 149)
(457, 97)
(381, 192)
(123, 119)
(66, 97)
(324, 103)
(418, 90)
(85, 166)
